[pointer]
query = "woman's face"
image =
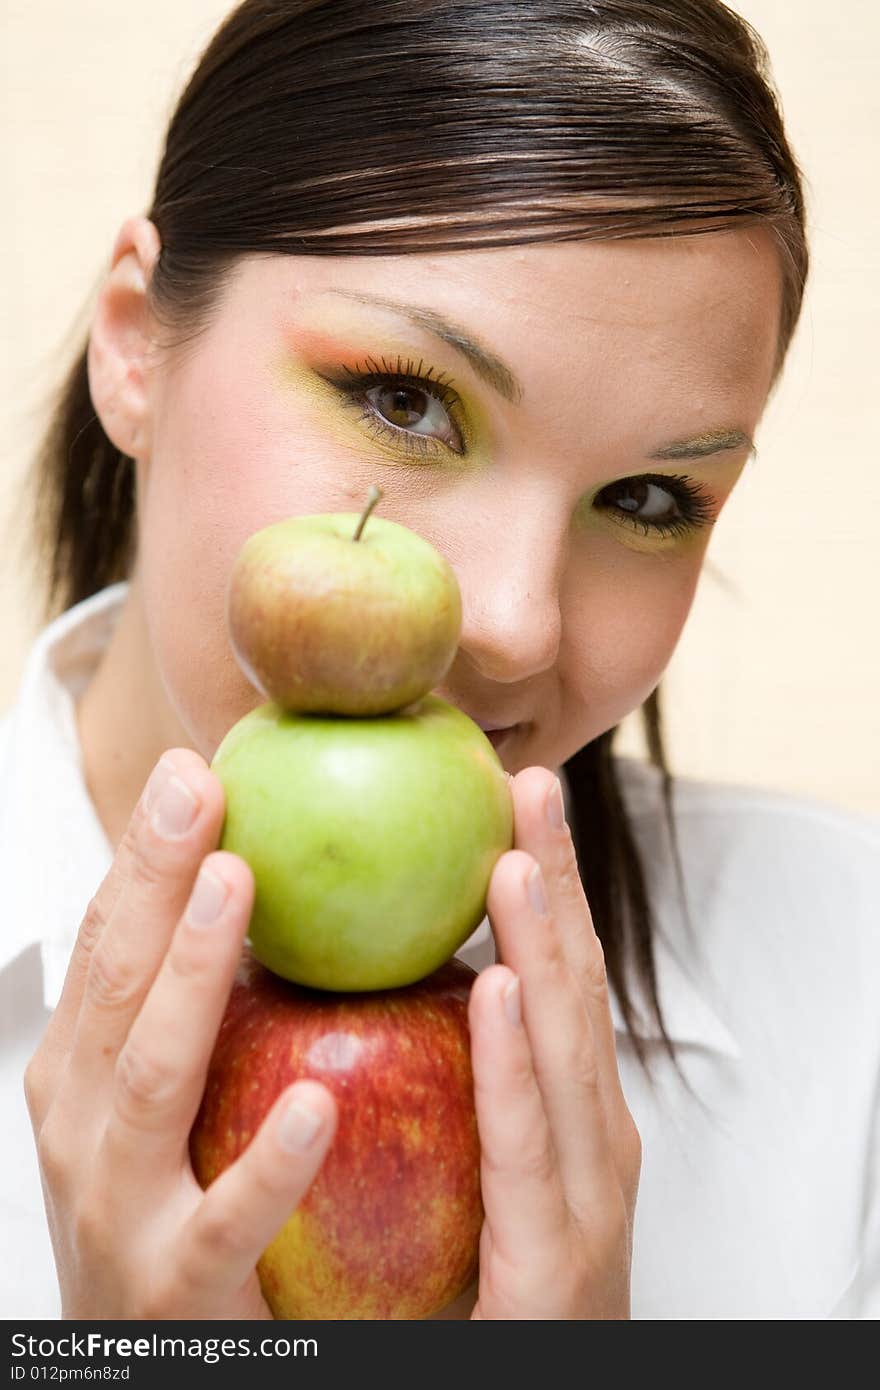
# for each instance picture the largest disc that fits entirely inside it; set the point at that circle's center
(563, 423)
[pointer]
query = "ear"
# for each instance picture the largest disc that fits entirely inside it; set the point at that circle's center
(120, 337)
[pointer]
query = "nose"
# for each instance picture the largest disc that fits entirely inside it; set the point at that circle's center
(510, 586)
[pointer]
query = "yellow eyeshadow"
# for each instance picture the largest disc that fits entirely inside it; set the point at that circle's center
(619, 529)
(327, 356)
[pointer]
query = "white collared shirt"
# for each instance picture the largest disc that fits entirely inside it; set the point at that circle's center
(760, 1192)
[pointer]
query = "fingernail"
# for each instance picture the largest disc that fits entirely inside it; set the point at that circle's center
(176, 808)
(208, 897)
(298, 1127)
(555, 807)
(156, 781)
(511, 998)
(537, 893)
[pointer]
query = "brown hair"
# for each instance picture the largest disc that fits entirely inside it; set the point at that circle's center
(316, 128)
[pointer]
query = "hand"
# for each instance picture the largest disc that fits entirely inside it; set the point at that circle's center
(560, 1151)
(115, 1084)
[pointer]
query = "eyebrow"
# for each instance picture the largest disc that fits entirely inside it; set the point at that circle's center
(704, 445)
(486, 365)
(499, 376)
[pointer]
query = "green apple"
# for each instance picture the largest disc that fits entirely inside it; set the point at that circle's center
(331, 615)
(372, 841)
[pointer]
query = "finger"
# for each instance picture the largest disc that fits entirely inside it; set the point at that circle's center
(547, 837)
(160, 1074)
(166, 840)
(64, 1018)
(246, 1206)
(558, 1027)
(522, 1191)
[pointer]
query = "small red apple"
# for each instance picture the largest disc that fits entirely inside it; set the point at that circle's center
(390, 1228)
(335, 614)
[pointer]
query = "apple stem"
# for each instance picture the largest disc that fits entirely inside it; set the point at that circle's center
(372, 498)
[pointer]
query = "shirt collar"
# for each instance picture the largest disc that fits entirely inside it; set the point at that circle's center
(54, 851)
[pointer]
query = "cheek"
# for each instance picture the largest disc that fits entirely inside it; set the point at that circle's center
(228, 458)
(623, 638)
(184, 599)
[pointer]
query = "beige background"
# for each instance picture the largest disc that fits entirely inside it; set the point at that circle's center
(776, 681)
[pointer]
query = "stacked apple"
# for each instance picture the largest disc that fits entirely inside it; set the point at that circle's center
(371, 813)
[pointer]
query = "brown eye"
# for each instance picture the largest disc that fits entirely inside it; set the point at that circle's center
(657, 504)
(643, 499)
(416, 410)
(402, 406)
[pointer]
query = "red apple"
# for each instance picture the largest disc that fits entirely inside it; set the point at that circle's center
(390, 1227)
(337, 614)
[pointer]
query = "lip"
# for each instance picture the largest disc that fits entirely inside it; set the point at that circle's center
(491, 725)
(500, 737)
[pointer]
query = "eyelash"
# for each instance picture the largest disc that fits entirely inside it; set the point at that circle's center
(694, 504)
(358, 381)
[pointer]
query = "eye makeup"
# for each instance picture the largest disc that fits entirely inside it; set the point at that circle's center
(405, 381)
(692, 506)
(340, 351)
